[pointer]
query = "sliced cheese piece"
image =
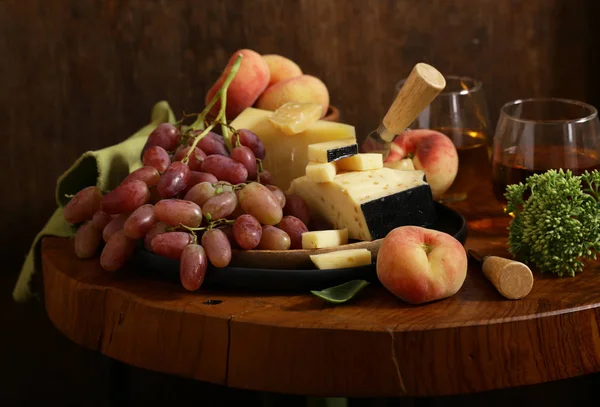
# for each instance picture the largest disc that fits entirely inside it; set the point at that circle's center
(361, 162)
(341, 259)
(287, 157)
(324, 238)
(293, 118)
(321, 172)
(406, 164)
(370, 203)
(332, 150)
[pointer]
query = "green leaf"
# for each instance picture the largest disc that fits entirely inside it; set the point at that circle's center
(341, 293)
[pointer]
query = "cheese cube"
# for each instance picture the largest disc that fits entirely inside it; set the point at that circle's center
(361, 162)
(293, 118)
(321, 172)
(332, 150)
(287, 156)
(342, 259)
(324, 238)
(370, 203)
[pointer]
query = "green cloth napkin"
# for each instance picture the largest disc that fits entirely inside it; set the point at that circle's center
(104, 168)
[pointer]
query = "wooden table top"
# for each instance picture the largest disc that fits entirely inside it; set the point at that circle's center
(374, 346)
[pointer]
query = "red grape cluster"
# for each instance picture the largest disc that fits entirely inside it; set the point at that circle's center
(194, 206)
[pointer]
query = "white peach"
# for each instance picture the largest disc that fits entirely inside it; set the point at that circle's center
(432, 152)
(281, 68)
(420, 265)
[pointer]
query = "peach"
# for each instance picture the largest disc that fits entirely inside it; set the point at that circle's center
(431, 152)
(281, 68)
(420, 265)
(301, 89)
(250, 81)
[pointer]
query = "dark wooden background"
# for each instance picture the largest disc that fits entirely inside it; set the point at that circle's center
(82, 74)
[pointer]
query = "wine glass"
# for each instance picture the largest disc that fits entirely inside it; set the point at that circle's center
(535, 135)
(460, 112)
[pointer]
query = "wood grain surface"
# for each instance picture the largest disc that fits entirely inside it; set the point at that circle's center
(374, 346)
(77, 75)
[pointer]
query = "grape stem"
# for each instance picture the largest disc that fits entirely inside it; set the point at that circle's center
(232, 129)
(260, 169)
(220, 222)
(197, 139)
(184, 116)
(221, 116)
(220, 184)
(224, 128)
(212, 224)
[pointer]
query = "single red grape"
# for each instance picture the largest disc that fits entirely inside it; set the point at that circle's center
(171, 244)
(157, 157)
(294, 227)
(83, 205)
(192, 266)
(225, 169)
(251, 140)
(174, 180)
(245, 156)
(126, 197)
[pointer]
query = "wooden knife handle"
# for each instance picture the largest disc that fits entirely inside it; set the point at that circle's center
(422, 86)
(512, 279)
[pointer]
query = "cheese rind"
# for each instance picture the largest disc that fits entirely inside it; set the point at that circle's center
(329, 151)
(361, 162)
(342, 259)
(287, 157)
(321, 172)
(324, 238)
(370, 203)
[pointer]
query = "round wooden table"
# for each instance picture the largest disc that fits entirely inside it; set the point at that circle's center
(374, 346)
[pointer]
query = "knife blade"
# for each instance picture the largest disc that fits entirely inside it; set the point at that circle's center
(422, 86)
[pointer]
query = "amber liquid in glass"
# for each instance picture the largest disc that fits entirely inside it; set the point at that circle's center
(473, 161)
(509, 169)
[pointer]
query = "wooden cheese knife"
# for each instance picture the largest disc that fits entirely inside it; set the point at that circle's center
(422, 86)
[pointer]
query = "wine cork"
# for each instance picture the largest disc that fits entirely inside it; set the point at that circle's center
(512, 279)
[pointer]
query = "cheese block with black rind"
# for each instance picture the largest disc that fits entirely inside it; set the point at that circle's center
(370, 203)
(334, 150)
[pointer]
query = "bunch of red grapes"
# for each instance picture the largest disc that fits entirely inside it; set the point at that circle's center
(192, 206)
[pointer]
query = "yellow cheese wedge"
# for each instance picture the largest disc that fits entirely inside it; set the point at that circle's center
(293, 118)
(361, 162)
(320, 172)
(287, 157)
(342, 259)
(369, 203)
(332, 150)
(324, 238)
